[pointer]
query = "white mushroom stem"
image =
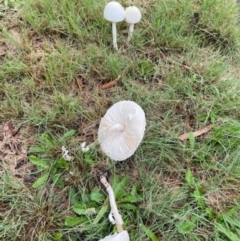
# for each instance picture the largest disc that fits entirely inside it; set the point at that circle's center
(130, 32)
(114, 209)
(114, 34)
(117, 127)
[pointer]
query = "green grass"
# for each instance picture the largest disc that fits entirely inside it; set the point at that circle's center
(181, 67)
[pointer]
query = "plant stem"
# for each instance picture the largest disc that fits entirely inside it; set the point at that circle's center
(114, 34)
(130, 32)
(114, 209)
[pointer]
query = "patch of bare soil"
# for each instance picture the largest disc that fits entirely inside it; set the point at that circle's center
(14, 144)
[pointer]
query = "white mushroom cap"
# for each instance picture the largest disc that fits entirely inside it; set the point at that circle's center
(123, 236)
(132, 15)
(121, 130)
(114, 12)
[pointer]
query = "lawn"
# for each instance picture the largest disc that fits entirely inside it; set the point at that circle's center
(181, 66)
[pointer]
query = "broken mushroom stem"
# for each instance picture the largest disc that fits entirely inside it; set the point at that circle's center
(114, 209)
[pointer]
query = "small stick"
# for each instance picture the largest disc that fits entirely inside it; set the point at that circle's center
(80, 83)
(114, 209)
(111, 83)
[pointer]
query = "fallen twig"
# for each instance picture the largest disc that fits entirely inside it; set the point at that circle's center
(200, 132)
(111, 83)
(80, 84)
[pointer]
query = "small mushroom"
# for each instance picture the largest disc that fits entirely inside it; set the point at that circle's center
(121, 130)
(132, 16)
(114, 12)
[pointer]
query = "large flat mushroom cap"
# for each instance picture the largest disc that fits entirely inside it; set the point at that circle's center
(121, 130)
(114, 12)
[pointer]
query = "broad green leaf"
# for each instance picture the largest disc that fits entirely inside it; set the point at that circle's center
(36, 149)
(134, 191)
(79, 209)
(104, 209)
(62, 163)
(96, 195)
(39, 162)
(58, 181)
(88, 158)
(73, 197)
(128, 199)
(127, 206)
(186, 227)
(40, 181)
(120, 186)
(149, 233)
(57, 236)
(73, 221)
(47, 139)
(90, 211)
(133, 197)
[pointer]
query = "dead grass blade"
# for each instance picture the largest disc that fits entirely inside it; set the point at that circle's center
(200, 132)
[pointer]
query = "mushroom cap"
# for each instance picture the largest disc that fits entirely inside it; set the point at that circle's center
(123, 236)
(114, 12)
(132, 15)
(121, 130)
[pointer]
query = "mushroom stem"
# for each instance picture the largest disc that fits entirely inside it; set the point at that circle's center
(114, 209)
(130, 32)
(114, 34)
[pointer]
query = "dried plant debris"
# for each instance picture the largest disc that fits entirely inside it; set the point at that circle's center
(111, 83)
(13, 152)
(197, 133)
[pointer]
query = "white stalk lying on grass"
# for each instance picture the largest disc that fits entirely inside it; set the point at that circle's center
(122, 234)
(114, 209)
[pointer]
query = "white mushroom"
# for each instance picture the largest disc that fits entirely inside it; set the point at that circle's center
(114, 12)
(132, 16)
(121, 130)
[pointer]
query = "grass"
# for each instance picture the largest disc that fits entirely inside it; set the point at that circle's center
(181, 67)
